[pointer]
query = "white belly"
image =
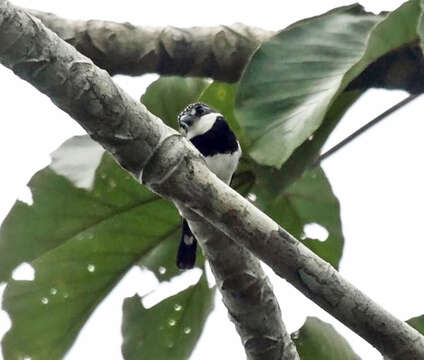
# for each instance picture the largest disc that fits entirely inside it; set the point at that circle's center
(224, 165)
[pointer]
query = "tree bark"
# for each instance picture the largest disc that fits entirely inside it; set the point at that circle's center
(219, 52)
(127, 130)
(169, 165)
(246, 292)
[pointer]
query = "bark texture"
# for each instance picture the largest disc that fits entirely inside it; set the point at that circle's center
(246, 292)
(132, 134)
(172, 167)
(219, 52)
(245, 224)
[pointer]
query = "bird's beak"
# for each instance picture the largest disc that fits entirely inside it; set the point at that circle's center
(185, 122)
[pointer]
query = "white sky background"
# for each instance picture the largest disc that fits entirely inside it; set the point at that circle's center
(378, 178)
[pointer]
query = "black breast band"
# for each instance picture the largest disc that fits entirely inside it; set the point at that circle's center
(218, 140)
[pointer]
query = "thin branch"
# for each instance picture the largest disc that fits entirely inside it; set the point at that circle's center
(219, 52)
(364, 128)
(246, 292)
(169, 166)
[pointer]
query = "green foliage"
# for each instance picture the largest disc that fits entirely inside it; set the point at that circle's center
(167, 96)
(318, 340)
(309, 201)
(102, 232)
(91, 222)
(295, 77)
(115, 224)
(221, 97)
(417, 323)
(170, 329)
(81, 242)
(307, 153)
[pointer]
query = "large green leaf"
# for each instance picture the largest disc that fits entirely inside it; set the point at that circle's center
(309, 199)
(80, 243)
(295, 77)
(317, 340)
(170, 329)
(307, 154)
(221, 96)
(89, 223)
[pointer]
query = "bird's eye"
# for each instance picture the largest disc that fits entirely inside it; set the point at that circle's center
(200, 111)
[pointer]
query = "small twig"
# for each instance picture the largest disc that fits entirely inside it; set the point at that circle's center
(364, 128)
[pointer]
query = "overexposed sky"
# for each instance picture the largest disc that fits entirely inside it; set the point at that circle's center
(378, 178)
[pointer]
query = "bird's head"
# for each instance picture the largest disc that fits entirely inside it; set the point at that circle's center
(196, 119)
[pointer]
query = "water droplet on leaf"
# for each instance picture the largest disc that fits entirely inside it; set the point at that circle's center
(91, 268)
(80, 237)
(187, 330)
(53, 291)
(177, 307)
(44, 300)
(172, 322)
(162, 270)
(112, 183)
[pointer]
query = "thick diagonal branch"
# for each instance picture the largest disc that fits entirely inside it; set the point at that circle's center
(170, 166)
(219, 52)
(125, 128)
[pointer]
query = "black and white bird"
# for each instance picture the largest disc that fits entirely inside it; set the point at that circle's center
(211, 135)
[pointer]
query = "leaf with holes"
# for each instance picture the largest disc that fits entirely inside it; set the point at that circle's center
(295, 203)
(307, 209)
(168, 330)
(294, 78)
(90, 222)
(317, 340)
(271, 188)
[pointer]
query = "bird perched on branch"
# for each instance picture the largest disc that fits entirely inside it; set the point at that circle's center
(211, 135)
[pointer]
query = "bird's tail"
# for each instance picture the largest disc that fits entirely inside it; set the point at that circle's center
(186, 255)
